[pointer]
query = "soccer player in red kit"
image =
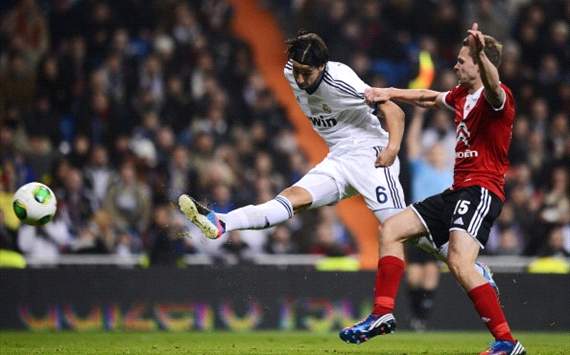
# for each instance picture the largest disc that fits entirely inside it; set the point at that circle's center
(460, 217)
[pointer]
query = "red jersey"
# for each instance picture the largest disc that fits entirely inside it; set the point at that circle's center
(483, 136)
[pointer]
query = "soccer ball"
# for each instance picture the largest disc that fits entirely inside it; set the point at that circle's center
(34, 204)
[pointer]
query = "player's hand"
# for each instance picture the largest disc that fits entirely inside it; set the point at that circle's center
(386, 158)
(373, 96)
(476, 38)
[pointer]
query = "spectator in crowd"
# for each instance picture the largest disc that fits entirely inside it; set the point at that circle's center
(9, 220)
(89, 243)
(98, 237)
(39, 156)
(506, 237)
(341, 236)
(280, 242)
(10, 257)
(27, 29)
(324, 242)
(438, 130)
(45, 243)
(75, 205)
(166, 246)
(98, 174)
(555, 243)
(556, 203)
(181, 175)
(128, 201)
(7, 235)
(235, 249)
(429, 163)
(509, 242)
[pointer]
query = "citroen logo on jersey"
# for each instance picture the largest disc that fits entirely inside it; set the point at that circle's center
(326, 108)
(463, 134)
(321, 121)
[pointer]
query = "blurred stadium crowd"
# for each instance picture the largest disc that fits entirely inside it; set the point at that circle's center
(120, 106)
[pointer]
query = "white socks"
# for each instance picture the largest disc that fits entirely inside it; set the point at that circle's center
(260, 216)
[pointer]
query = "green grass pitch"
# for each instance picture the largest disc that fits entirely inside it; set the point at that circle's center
(266, 342)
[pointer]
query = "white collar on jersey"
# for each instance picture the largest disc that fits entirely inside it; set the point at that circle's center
(471, 101)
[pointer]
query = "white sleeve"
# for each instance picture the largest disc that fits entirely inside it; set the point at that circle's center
(346, 76)
(288, 71)
(443, 99)
(348, 85)
(288, 74)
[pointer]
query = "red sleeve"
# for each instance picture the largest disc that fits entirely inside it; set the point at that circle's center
(508, 103)
(509, 99)
(507, 111)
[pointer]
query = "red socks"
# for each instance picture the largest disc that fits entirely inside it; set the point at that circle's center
(487, 305)
(390, 270)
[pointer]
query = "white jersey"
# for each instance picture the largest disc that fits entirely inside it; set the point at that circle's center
(337, 109)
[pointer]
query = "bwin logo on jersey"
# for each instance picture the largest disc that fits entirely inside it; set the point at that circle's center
(323, 122)
(463, 133)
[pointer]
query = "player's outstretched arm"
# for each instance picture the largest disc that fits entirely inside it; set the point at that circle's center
(394, 119)
(419, 97)
(494, 94)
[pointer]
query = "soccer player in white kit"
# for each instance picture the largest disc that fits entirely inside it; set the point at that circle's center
(362, 159)
(362, 156)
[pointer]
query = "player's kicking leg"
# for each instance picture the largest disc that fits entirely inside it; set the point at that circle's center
(203, 218)
(261, 216)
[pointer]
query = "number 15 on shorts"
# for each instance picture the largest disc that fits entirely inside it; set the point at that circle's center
(461, 207)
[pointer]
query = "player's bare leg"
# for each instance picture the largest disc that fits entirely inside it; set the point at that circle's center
(270, 213)
(463, 252)
(394, 233)
(426, 245)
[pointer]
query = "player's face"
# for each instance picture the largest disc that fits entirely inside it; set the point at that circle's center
(306, 75)
(465, 68)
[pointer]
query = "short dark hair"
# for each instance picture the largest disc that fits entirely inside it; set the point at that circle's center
(307, 48)
(493, 49)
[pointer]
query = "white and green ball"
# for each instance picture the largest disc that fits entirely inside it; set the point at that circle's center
(34, 204)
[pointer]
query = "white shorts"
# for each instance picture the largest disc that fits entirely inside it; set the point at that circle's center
(341, 176)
